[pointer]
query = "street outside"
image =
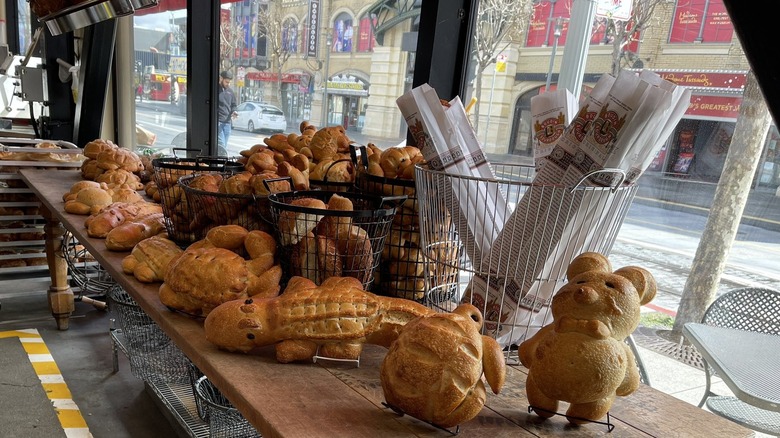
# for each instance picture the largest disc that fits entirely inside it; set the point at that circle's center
(663, 240)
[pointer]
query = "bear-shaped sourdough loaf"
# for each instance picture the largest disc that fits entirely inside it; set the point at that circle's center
(581, 357)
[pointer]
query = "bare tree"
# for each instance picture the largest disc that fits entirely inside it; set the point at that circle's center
(728, 205)
(622, 33)
(499, 24)
(231, 37)
(280, 44)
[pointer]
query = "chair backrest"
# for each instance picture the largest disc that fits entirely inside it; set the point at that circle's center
(752, 308)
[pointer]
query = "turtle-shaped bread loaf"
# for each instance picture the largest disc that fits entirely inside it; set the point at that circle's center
(434, 369)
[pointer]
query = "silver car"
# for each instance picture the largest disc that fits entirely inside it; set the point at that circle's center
(256, 116)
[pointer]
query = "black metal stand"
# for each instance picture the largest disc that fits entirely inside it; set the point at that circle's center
(609, 425)
(400, 412)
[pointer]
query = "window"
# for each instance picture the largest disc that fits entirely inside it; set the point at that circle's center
(160, 75)
(342, 33)
(702, 21)
(290, 36)
(366, 39)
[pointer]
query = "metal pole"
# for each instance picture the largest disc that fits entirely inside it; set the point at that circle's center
(325, 79)
(490, 105)
(575, 52)
(125, 85)
(556, 34)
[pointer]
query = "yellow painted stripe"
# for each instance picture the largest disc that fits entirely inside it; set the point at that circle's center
(71, 418)
(42, 368)
(53, 384)
(56, 390)
(35, 348)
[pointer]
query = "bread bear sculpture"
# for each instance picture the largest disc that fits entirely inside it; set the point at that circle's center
(581, 357)
(434, 369)
(332, 320)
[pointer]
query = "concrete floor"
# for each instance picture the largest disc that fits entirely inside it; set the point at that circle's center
(113, 405)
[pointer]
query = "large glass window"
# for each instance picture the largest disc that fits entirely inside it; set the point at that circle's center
(160, 77)
(301, 67)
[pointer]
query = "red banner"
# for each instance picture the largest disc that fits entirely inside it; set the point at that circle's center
(734, 81)
(689, 16)
(540, 29)
(292, 78)
(715, 106)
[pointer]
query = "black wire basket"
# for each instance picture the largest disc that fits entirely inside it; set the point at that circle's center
(401, 270)
(176, 209)
(318, 243)
(224, 420)
(211, 209)
(153, 355)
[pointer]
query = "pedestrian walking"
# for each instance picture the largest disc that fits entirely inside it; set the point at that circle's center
(227, 109)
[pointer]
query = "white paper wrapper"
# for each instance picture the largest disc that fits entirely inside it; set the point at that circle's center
(449, 144)
(617, 126)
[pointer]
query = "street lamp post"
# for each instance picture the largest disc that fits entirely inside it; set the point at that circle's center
(556, 35)
(325, 79)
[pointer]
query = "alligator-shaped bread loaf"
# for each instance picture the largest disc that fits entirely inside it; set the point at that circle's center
(332, 320)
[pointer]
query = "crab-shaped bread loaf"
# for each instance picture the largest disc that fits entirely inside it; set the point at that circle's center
(434, 369)
(581, 357)
(332, 320)
(211, 271)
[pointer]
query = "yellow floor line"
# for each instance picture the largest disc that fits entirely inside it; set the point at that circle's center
(52, 382)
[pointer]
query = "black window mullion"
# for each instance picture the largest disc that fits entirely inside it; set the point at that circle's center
(444, 45)
(202, 68)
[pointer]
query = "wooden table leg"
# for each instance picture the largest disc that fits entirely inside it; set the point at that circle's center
(60, 293)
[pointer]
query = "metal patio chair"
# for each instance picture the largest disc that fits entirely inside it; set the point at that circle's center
(750, 309)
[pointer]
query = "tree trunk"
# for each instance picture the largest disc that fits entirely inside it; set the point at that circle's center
(727, 206)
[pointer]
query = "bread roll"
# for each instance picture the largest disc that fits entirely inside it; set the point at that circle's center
(126, 236)
(150, 258)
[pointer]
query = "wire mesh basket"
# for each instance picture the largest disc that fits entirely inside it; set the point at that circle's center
(319, 243)
(84, 270)
(511, 275)
(152, 354)
(401, 271)
(176, 209)
(211, 209)
(224, 420)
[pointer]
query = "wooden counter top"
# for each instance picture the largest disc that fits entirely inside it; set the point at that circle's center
(336, 400)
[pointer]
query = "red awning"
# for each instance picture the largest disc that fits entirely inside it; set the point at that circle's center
(171, 5)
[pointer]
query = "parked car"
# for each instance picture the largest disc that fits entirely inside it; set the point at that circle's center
(256, 116)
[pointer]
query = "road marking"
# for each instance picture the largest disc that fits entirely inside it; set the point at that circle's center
(53, 384)
(696, 207)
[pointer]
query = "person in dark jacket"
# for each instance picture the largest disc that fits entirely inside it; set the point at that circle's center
(227, 108)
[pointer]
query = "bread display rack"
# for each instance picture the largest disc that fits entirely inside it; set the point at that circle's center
(22, 249)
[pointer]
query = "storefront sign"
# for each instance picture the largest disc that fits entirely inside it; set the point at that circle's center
(313, 38)
(615, 9)
(292, 78)
(717, 107)
(347, 85)
(728, 80)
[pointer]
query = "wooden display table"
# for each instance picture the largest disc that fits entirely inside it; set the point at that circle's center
(335, 400)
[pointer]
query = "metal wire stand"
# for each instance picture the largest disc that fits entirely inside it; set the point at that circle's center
(550, 225)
